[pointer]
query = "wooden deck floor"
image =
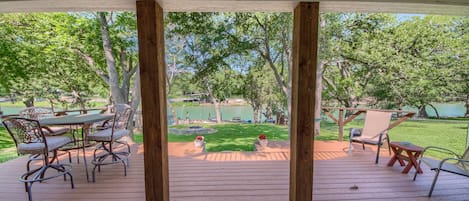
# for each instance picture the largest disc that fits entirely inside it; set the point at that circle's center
(240, 176)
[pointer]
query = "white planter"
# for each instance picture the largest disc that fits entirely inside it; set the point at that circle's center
(199, 143)
(263, 142)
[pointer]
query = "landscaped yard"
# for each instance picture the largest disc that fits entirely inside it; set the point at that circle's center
(240, 137)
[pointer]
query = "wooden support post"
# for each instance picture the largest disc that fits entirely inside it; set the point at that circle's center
(305, 46)
(341, 124)
(150, 27)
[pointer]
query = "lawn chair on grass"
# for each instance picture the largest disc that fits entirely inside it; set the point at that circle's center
(456, 164)
(375, 131)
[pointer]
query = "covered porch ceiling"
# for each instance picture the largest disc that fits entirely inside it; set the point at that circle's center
(446, 7)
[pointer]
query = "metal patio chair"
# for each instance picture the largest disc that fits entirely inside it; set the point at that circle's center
(107, 138)
(374, 132)
(457, 164)
(30, 139)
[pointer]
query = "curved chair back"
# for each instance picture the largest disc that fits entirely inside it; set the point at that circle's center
(375, 123)
(121, 119)
(37, 113)
(25, 133)
(119, 108)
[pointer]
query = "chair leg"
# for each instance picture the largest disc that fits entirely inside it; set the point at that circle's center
(109, 154)
(71, 180)
(29, 187)
(416, 172)
(434, 182)
(377, 153)
(69, 157)
(94, 173)
(27, 165)
(125, 168)
(363, 145)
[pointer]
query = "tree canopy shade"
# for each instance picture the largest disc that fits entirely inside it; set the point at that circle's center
(42, 64)
(376, 59)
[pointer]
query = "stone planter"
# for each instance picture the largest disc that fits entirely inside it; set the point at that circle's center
(263, 142)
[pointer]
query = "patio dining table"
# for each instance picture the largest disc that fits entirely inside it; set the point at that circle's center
(82, 120)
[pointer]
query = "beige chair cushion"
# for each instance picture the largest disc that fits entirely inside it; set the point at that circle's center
(375, 123)
(53, 143)
(105, 135)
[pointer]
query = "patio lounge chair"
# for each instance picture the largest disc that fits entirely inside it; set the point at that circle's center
(30, 139)
(375, 131)
(107, 138)
(457, 164)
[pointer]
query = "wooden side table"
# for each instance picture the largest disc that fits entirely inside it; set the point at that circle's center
(412, 153)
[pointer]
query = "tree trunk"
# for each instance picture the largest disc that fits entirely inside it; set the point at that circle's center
(51, 104)
(318, 100)
(217, 109)
(171, 108)
(116, 93)
(467, 106)
(135, 101)
(268, 112)
(256, 115)
(423, 112)
(214, 100)
(436, 111)
(29, 102)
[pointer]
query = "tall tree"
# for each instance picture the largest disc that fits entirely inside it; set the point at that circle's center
(270, 37)
(114, 56)
(210, 41)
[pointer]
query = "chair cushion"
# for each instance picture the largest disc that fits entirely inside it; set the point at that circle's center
(448, 167)
(54, 130)
(105, 135)
(53, 143)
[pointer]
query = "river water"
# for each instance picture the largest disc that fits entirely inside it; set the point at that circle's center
(245, 112)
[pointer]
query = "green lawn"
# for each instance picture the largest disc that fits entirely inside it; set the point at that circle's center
(7, 146)
(240, 137)
(231, 137)
(444, 133)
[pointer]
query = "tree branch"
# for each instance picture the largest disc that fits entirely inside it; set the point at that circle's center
(90, 61)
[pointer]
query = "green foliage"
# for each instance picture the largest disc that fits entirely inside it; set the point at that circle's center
(413, 62)
(269, 36)
(49, 68)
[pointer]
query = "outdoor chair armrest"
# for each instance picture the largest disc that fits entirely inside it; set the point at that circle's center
(353, 132)
(441, 150)
(380, 135)
(449, 159)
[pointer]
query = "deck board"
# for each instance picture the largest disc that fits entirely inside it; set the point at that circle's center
(240, 176)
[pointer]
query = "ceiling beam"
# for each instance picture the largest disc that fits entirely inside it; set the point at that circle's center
(445, 7)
